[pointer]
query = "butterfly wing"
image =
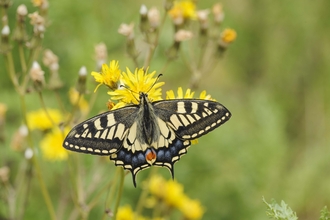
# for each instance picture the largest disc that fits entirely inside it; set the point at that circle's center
(102, 134)
(192, 118)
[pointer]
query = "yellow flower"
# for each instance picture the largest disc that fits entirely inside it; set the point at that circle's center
(51, 145)
(37, 3)
(188, 95)
(205, 96)
(109, 75)
(185, 9)
(125, 213)
(38, 119)
(157, 182)
(134, 84)
(173, 193)
(191, 209)
(74, 96)
(228, 36)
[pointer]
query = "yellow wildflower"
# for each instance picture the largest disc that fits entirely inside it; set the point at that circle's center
(125, 213)
(51, 145)
(39, 120)
(191, 209)
(134, 84)
(185, 8)
(205, 96)
(74, 96)
(228, 36)
(173, 193)
(109, 75)
(156, 183)
(188, 95)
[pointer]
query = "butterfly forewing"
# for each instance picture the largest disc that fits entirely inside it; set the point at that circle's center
(102, 134)
(192, 118)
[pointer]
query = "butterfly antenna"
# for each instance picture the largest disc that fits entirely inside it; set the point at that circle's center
(154, 82)
(131, 91)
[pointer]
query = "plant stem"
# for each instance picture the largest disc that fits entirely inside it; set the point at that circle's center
(120, 192)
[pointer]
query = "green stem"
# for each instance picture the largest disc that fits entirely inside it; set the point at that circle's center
(112, 192)
(22, 58)
(153, 46)
(120, 192)
(144, 194)
(45, 109)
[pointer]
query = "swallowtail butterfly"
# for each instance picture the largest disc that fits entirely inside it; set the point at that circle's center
(151, 133)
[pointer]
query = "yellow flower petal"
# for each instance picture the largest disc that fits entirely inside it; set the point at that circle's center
(39, 120)
(51, 145)
(109, 75)
(134, 84)
(125, 213)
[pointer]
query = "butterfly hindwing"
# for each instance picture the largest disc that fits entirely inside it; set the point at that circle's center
(192, 118)
(102, 134)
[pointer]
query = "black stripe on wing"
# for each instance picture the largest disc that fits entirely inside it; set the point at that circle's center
(192, 118)
(102, 134)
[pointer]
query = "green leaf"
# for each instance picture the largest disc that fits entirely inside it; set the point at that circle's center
(280, 212)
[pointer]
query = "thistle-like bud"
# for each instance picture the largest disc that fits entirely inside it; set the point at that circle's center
(37, 76)
(19, 138)
(50, 60)
(81, 85)
(218, 13)
(5, 46)
(20, 34)
(154, 17)
(144, 23)
(181, 35)
(38, 23)
(101, 55)
(128, 31)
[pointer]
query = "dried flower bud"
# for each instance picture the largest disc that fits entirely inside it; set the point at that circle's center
(19, 138)
(144, 23)
(38, 23)
(22, 10)
(28, 153)
(202, 16)
(154, 17)
(101, 55)
(127, 30)
(5, 31)
(218, 13)
(81, 85)
(182, 35)
(36, 73)
(4, 43)
(50, 60)
(143, 10)
(37, 76)
(4, 174)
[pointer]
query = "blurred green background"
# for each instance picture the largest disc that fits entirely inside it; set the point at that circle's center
(275, 79)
